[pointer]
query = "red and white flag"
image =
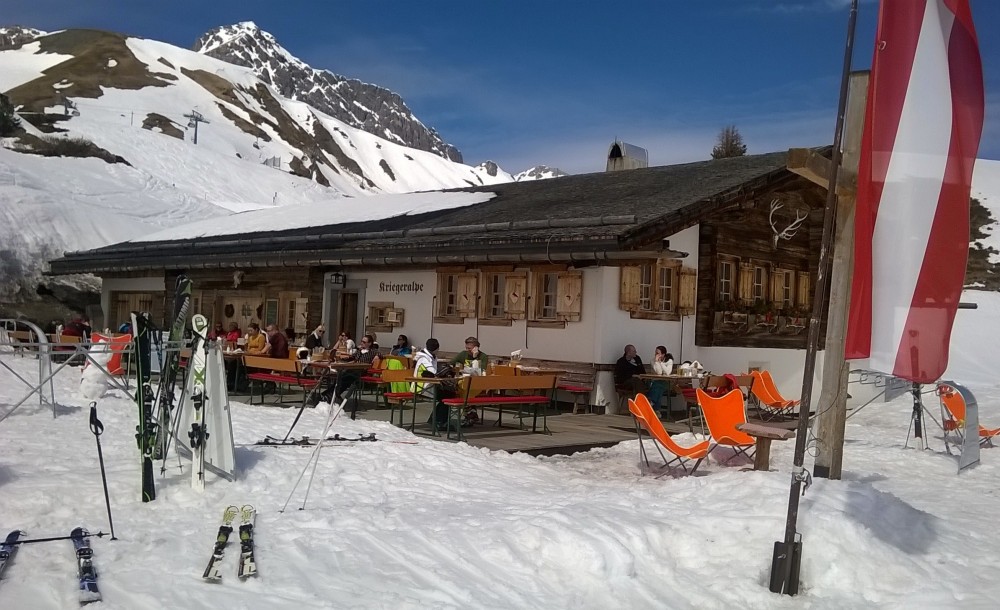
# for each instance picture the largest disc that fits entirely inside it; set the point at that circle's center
(923, 122)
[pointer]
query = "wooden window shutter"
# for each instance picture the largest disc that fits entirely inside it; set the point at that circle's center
(515, 296)
(465, 302)
(803, 297)
(745, 287)
(301, 315)
(687, 294)
(569, 296)
(628, 296)
(777, 285)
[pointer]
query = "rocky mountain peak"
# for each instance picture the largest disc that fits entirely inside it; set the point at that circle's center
(14, 36)
(368, 107)
(539, 172)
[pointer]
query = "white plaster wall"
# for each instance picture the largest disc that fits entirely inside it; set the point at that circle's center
(575, 342)
(600, 336)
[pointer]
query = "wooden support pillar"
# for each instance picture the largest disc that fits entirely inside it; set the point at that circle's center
(832, 405)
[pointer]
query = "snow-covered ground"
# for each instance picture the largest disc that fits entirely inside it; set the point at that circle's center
(408, 522)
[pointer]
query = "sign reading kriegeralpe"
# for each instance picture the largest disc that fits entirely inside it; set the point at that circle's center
(394, 288)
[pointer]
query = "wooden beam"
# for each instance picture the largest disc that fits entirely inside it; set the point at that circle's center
(832, 405)
(816, 169)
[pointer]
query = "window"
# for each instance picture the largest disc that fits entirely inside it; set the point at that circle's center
(726, 271)
(556, 297)
(650, 290)
(290, 315)
(665, 290)
(456, 296)
(646, 288)
(495, 295)
(759, 292)
(449, 296)
(383, 316)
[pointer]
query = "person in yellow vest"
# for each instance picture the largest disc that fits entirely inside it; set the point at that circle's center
(256, 341)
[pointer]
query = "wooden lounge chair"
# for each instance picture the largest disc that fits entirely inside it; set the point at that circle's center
(645, 417)
(722, 416)
(953, 418)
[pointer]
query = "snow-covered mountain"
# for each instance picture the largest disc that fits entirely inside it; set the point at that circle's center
(370, 108)
(539, 172)
(14, 36)
(138, 99)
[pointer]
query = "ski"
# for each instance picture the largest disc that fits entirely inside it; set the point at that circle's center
(248, 563)
(145, 432)
(212, 572)
(198, 434)
(305, 441)
(301, 442)
(85, 567)
(8, 548)
(170, 367)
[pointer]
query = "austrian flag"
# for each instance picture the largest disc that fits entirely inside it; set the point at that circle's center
(923, 122)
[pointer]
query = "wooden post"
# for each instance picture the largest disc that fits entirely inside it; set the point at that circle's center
(832, 405)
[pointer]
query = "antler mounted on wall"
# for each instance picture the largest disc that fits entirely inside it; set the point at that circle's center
(789, 231)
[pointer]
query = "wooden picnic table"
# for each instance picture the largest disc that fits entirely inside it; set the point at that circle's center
(681, 381)
(764, 434)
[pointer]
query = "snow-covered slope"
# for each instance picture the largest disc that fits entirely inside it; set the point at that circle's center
(136, 106)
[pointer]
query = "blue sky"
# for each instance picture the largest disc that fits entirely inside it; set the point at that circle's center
(545, 82)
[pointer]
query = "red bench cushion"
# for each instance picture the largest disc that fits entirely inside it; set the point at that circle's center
(574, 388)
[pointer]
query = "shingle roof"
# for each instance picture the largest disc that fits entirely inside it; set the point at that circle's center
(616, 210)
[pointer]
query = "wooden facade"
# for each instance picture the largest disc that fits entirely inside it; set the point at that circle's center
(770, 281)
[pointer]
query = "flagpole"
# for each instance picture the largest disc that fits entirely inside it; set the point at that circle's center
(787, 554)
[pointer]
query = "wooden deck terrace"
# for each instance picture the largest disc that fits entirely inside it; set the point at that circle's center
(569, 433)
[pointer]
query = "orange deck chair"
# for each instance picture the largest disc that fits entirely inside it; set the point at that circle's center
(953, 417)
(769, 405)
(644, 416)
(721, 416)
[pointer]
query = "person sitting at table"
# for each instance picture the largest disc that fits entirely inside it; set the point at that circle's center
(315, 338)
(277, 343)
(256, 341)
(471, 354)
(425, 365)
(217, 332)
(663, 364)
(234, 334)
(626, 369)
(346, 378)
(290, 336)
(402, 347)
(345, 346)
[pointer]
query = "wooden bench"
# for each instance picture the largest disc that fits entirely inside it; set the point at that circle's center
(21, 337)
(282, 372)
(500, 392)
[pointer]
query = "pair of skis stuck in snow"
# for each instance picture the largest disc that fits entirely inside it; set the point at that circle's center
(248, 563)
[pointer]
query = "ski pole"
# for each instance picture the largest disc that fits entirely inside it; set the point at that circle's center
(97, 428)
(314, 456)
(53, 538)
(322, 381)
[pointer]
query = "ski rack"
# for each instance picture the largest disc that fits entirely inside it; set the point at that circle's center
(46, 351)
(42, 346)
